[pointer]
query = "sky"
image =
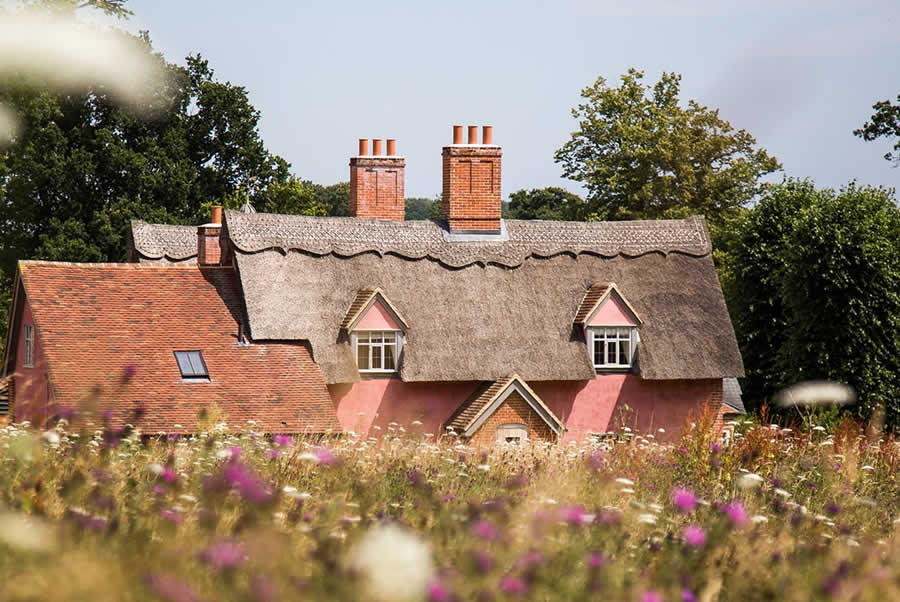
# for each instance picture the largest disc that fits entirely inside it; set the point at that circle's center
(799, 75)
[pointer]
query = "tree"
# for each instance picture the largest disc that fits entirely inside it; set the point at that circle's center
(83, 166)
(815, 292)
(551, 203)
(418, 209)
(642, 155)
(885, 122)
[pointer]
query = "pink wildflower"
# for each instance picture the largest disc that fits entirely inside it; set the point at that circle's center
(694, 535)
(684, 499)
(736, 514)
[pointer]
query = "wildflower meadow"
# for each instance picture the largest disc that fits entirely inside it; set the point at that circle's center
(92, 513)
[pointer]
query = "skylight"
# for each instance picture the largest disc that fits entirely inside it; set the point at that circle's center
(191, 365)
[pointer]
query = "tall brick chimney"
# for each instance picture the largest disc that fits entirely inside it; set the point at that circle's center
(471, 194)
(209, 246)
(376, 182)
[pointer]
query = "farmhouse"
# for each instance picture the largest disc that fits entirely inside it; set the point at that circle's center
(501, 330)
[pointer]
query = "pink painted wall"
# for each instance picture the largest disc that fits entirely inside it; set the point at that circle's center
(32, 385)
(584, 406)
(611, 313)
(380, 401)
(377, 318)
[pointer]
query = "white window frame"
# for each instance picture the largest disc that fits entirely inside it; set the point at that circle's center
(28, 349)
(630, 333)
(399, 343)
(516, 431)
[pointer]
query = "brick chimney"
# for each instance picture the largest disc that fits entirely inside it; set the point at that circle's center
(471, 194)
(376, 182)
(209, 246)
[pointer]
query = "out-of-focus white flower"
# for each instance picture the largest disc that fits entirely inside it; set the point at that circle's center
(782, 493)
(647, 519)
(395, 564)
(26, 533)
(749, 481)
(628, 490)
(816, 392)
(484, 467)
(624, 481)
(818, 428)
(309, 457)
(155, 468)
(868, 468)
(758, 518)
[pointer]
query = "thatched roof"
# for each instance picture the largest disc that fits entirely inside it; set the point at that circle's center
(467, 418)
(482, 310)
(163, 243)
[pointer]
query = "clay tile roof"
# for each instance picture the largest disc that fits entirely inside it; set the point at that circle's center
(94, 319)
(481, 399)
(362, 300)
(162, 241)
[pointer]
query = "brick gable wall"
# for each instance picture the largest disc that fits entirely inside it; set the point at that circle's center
(514, 410)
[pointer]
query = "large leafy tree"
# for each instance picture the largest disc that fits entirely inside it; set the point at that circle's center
(641, 154)
(551, 203)
(814, 290)
(884, 123)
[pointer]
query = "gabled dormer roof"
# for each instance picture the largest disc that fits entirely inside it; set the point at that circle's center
(596, 296)
(486, 400)
(364, 300)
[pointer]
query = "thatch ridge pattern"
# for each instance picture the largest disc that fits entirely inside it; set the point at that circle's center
(347, 237)
(158, 241)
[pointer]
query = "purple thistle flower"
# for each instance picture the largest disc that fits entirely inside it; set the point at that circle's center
(832, 509)
(684, 499)
(273, 453)
(688, 596)
(283, 440)
(486, 530)
(596, 560)
(128, 372)
(325, 456)
(168, 475)
(169, 588)
(694, 535)
(736, 514)
(437, 592)
(224, 555)
(250, 486)
(448, 497)
(263, 589)
(651, 596)
(512, 585)
(530, 559)
(574, 515)
(172, 516)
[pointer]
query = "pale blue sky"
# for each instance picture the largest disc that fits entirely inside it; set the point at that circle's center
(799, 75)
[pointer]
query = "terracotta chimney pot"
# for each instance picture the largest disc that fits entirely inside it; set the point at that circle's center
(457, 134)
(363, 147)
(376, 147)
(473, 134)
(391, 147)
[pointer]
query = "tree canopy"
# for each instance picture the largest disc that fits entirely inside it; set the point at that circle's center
(551, 203)
(814, 291)
(642, 155)
(884, 123)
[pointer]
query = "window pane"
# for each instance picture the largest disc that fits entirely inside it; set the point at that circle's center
(375, 337)
(362, 355)
(623, 352)
(389, 352)
(376, 357)
(598, 351)
(610, 352)
(197, 366)
(184, 364)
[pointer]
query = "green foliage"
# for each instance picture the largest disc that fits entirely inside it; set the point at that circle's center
(293, 197)
(642, 155)
(115, 8)
(84, 166)
(813, 287)
(418, 209)
(551, 203)
(885, 122)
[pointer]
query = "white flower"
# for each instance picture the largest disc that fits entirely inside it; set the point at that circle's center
(309, 457)
(187, 497)
(782, 493)
(26, 533)
(289, 489)
(758, 518)
(51, 437)
(484, 467)
(627, 490)
(155, 468)
(749, 481)
(868, 468)
(818, 428)
(816, 392)
(624, 481)
(395, 564)
(647, 519)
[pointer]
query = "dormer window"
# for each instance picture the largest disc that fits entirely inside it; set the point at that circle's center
(610, 327)
(378, 350)
(377, 332)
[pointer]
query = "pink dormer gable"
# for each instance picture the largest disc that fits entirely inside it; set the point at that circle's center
(611, 312)
(377, 317)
